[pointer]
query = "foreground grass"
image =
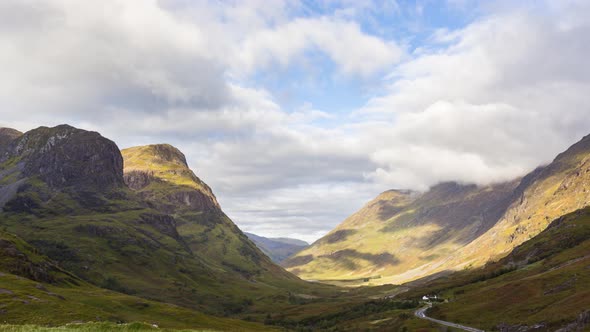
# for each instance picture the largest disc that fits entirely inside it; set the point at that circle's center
(91, 327)
(25, 301)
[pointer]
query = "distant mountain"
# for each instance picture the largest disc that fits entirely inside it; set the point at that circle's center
(402, 236)
(278, 249)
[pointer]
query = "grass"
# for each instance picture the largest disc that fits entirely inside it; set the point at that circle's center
(542, 281)
(93, 327)
(25, 301)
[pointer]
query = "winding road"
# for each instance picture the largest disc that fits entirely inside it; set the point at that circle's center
(421, 313)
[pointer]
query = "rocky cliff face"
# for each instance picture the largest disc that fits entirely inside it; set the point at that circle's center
(64, 156)
(160, 174)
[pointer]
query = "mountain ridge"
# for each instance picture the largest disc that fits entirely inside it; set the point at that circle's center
(450, 226)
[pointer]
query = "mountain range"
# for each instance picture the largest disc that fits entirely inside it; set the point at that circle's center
(89, 232)
(137, 222)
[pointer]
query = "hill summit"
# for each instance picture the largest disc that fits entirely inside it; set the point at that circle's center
(161, 174)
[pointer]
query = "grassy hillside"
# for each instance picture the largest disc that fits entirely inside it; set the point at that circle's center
(402, 236)
(540, 286)
(542, 196)
(35, 290)
(92, 327)
(65, 298)
(543, 282)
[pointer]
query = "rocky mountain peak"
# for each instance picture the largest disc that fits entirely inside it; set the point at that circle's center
(8, 135)
(66, 156)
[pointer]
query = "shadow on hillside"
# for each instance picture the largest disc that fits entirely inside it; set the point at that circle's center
(463, 212)
(297, 261)
(380, 260)
(388, 210)
(337, 236)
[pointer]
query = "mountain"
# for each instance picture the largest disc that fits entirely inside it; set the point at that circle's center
(278, 249)
(154, 231)
(160, 175)
(402, 235)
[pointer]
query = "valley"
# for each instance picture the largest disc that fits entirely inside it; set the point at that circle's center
(90, 233)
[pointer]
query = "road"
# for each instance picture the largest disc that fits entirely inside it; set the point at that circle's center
(421, 313)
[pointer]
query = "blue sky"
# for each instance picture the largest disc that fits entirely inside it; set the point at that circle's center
(316, 80)
(298, 113)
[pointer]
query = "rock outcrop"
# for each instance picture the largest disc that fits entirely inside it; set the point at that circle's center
(160, 174)
(65, 156)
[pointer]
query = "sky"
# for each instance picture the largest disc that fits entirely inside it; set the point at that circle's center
(297, 113)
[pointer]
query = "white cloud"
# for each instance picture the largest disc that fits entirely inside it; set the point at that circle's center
(507, 94)
(354, 51)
